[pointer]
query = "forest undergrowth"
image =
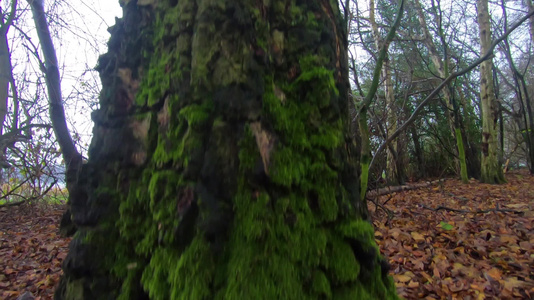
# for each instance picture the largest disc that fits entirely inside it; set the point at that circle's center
(450, 240)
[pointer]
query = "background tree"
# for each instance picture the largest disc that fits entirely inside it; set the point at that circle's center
(491, 171)
(30, 152)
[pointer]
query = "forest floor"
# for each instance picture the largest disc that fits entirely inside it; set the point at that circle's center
(460, 241)
(445, 241)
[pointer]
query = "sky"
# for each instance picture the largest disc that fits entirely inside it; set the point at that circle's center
(78, 49)
(79, 32)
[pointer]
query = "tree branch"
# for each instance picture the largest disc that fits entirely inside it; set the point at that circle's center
(430, 97)
(53, 83)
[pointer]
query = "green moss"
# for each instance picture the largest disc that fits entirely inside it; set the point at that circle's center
(183, 136)
(461, 154)
(75, 290)
(194, 273)
(248, 154)
(155, 277)
(256, 268)
(161, 72)
(341, 263)
(358, 229)
(321, 285)
(196, 115)
(312, 21)
(174, 275)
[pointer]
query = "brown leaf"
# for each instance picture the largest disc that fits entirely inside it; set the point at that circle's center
(402, 278)
(417, 237)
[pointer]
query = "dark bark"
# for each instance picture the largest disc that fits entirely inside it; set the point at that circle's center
(418, 152)
(222, 165)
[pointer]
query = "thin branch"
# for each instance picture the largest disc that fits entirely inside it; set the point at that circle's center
(479, 211)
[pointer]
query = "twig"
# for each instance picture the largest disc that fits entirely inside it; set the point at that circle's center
(386, 210)
(12, 191)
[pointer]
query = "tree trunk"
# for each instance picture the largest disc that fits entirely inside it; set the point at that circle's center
(491, 171)
(521, 91)
(50, 67)
(5, 80)
(442, 67)
(5, 74)
(392, 116)
(222, 165)
(470, 143)
(531, 21)
(391, 165)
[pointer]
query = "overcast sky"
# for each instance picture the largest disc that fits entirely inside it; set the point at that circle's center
(81, 43)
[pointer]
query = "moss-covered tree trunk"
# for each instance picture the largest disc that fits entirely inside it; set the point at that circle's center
(221, 165)
(490, 166)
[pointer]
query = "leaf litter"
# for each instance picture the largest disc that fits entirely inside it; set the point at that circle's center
(460, 241)
(31, 250)
(448, 241)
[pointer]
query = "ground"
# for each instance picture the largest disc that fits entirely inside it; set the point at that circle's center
(31, 250)
(437, 247)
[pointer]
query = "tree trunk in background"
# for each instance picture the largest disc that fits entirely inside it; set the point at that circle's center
(521, 90)
(5, 80)
(5, 75)
(531, 20)
(472, 153)
(491, 171)
(418, 152)
(442, 67)
(391, 166)
(71, 156)
(222, 165)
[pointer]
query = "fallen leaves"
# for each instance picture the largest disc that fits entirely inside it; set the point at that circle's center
(434, 254)
(482, 248)
(31, 251)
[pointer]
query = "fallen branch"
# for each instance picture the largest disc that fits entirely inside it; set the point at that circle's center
(388, 212)
(393, 189)
(9, 204)
(480, 211)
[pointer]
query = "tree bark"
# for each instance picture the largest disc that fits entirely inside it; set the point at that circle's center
(391, 126)
(71, 156)
(222, 166)
(5, 79)
(491, 171)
